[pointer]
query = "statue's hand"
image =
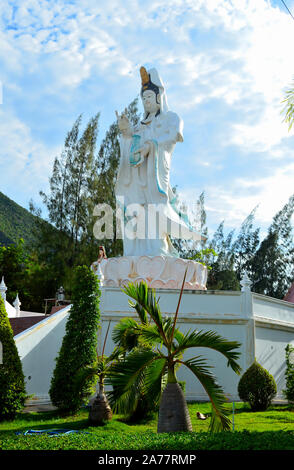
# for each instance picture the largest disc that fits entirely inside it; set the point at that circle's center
(144, 151)
(123, 123)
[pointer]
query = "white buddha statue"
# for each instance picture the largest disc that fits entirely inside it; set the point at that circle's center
(144, 175)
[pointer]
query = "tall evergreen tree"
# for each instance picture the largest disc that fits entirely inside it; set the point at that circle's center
(70, 185)
(272, 265)
(78, 349)
(222, 275)
(107, 162)
(245, 246)
(12, 383)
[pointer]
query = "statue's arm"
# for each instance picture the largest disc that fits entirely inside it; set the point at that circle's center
(171, 131)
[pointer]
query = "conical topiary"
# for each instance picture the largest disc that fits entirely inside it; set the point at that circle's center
(78, 349)
(257, 387)
(12, 383)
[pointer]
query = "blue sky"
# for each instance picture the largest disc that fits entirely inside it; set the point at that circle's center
(225, 64)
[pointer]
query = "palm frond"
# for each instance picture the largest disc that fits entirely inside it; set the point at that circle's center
(145, 297)
(127, 378)
(154, 374)
(150, 335)
(126, 334)
(84, 374)
(142, 313)
(288, 109)
(220, 420)
(210, 339)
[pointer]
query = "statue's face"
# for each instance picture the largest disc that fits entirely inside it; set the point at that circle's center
(149, 101)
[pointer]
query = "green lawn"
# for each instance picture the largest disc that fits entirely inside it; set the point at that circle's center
(273, 429)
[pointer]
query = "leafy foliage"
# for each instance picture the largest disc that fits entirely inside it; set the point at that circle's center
(12, 383)
(15, 223)
(26, 276)
(78, 348)
(145, 367)
(82, 177)
(257, 387)
(268, 262)
(289, 374)
(288, 109)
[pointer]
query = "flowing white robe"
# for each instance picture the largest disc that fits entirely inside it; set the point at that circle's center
(148, 185)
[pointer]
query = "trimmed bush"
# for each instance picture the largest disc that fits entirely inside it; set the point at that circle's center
(257, 387)
(79, 344)
(12, 383)
(289, 374)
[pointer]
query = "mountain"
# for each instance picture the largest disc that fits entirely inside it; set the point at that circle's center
(15, 222)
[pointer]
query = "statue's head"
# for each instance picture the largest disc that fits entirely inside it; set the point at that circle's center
(150, 101)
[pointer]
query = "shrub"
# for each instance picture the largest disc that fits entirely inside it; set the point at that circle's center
(257, 387)
(289, 374)
(12, 384)
(79, 344)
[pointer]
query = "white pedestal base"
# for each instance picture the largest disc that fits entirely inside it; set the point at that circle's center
(158, 271)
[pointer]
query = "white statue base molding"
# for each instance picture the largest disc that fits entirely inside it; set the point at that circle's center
(164, 272)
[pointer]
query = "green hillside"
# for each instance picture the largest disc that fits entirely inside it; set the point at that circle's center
(15, 222)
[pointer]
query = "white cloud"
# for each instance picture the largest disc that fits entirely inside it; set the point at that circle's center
(25, 163)
(234, 202)
(237, 53)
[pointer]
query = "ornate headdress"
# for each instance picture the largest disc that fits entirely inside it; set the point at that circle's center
(147, 83)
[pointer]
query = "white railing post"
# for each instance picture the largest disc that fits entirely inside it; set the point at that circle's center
(247, 308)
(3, 289)
(17, 305)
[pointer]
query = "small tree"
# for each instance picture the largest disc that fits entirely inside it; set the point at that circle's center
(78, 348)
(257, 387)
(168, 346)
(289, 392)
(12, 384)
(100, 411)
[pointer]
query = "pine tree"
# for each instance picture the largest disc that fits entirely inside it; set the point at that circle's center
(79, 344)
(245, 246)
(107, 161)
(222, 275)
(12, 383)
(70, 190)
(272, 265)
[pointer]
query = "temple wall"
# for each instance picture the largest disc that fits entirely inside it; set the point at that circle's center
(263, 325)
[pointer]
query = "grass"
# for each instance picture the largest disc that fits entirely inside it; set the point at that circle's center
(272, 429)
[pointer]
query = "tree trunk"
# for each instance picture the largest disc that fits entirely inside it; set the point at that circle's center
(173, 411)
(100, 411)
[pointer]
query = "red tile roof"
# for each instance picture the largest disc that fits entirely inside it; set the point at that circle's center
(20, 324)
(290, 294)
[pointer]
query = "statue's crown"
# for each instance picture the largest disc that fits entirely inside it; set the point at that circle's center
(146, 82)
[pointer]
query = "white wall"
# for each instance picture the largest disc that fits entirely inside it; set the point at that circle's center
(227, 313)
(263, 325)
(38, 347)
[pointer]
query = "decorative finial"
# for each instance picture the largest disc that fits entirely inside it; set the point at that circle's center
(17, 305)
(245, 282)
(144, 76)
(3, 289)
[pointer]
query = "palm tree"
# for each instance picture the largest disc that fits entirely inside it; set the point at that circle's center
(146, 367)
(100, 410)
(128, 339)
